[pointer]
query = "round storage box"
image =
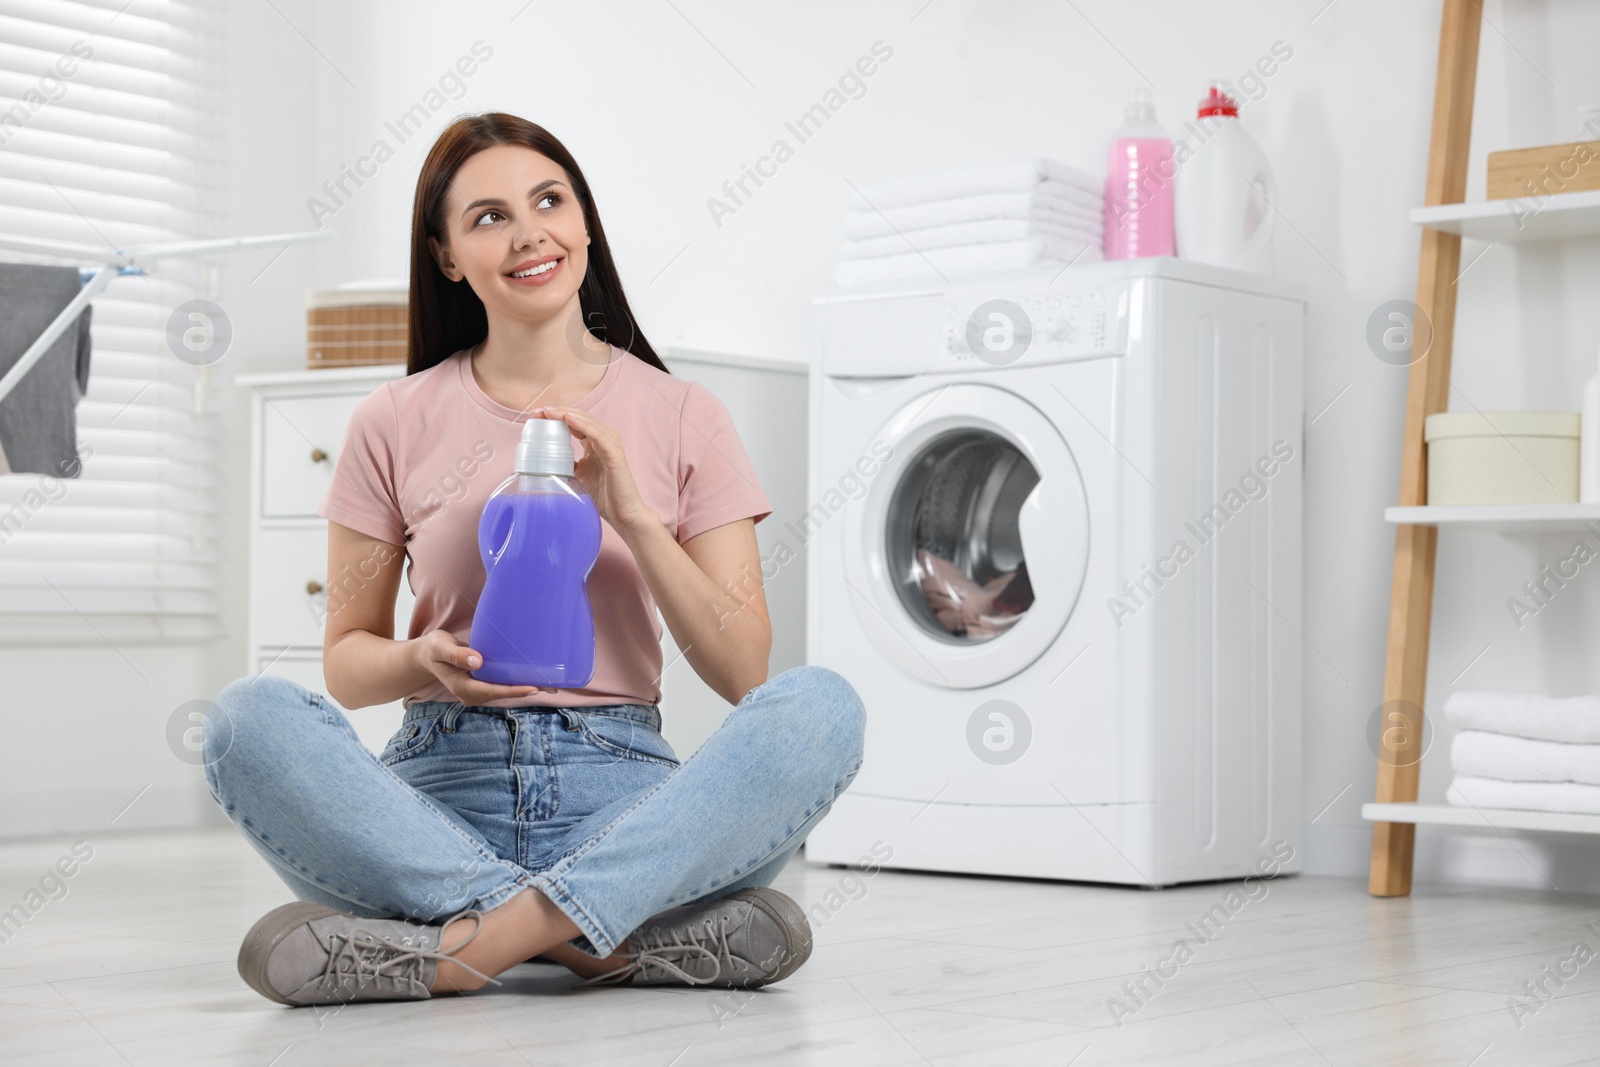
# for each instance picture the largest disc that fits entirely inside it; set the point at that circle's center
(1502, 457)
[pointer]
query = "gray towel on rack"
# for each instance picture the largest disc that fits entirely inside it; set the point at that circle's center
(38, 419)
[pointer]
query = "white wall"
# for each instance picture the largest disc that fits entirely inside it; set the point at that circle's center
(768, 405)
(663, 103)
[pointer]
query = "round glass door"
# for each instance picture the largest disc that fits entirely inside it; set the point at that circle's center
(973, 538)
(953, 540)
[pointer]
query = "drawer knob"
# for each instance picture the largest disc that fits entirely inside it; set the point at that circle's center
(318, 455)
(313, 587)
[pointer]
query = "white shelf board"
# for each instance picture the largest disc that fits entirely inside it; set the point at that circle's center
(1507, 518)
(1484, 818)
(1517, 221)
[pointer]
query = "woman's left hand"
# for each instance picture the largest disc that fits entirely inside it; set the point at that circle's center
(603, 470)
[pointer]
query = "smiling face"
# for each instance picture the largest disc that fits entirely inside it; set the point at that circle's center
(515, 231)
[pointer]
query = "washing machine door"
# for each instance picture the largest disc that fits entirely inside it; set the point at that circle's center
(966, 556)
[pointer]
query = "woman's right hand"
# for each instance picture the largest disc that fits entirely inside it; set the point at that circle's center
(451, 663)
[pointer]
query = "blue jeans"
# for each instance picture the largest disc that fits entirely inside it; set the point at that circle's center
(468, 806)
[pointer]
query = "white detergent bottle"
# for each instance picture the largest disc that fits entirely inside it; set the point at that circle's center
(1589, 443)
(1224, 189)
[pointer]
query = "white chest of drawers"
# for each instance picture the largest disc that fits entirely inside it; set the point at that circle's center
(297, 422)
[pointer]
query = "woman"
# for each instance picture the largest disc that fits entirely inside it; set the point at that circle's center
(506, 822)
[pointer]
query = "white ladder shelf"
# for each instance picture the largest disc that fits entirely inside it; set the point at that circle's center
(1445, 220)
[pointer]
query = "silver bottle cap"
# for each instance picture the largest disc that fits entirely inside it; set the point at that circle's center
(545, 448)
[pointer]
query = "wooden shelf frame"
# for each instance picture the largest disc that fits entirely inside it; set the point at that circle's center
(1446, 219)
(1427, 392)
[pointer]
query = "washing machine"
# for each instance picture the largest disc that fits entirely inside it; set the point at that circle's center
(1054, 541)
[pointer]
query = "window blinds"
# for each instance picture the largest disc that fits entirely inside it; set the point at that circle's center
(107, 124)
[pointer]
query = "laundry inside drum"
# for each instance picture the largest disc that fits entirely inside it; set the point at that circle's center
(954, 547)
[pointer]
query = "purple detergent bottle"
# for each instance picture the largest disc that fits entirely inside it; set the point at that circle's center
(539, 537)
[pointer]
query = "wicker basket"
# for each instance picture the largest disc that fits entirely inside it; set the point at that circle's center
(355, 327)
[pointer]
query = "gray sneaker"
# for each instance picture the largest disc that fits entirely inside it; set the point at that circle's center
(308, 953)
(747, 939)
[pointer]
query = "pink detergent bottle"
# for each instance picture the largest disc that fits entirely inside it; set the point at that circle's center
(1139, 173)
(539, 537)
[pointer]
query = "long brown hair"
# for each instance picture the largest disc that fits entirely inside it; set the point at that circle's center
(448, 316)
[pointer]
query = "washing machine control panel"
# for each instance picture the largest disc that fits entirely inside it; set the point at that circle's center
(996, 329)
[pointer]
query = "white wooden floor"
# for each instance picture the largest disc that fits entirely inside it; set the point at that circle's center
(135, 965)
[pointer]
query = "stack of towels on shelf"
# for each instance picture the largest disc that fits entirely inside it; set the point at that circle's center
(1514, 750)
(1002, 216)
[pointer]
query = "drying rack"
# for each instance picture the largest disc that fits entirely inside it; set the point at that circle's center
(115, 263)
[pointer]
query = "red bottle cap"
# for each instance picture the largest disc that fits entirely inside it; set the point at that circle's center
(1218, 101)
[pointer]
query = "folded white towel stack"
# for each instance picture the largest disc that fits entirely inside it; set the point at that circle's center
(996, 217)
(1517, 750)
(1471, 791)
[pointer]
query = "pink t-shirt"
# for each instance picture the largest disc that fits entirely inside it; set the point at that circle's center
(422, 454)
